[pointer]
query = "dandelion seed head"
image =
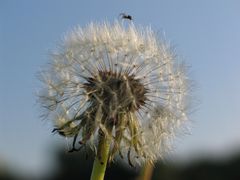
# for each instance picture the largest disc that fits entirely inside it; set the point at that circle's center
(119, 82)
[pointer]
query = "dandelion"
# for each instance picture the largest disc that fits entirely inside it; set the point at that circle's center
(116, 89)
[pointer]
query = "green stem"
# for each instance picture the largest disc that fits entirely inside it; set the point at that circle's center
(100, 162)
(147, 171)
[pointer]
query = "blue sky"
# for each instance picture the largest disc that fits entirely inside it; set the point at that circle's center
(205, 33)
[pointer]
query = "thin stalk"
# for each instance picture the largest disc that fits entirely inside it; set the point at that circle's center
(100, 162)
(147, 171)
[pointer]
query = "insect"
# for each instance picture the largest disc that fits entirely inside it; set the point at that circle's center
(126, 16)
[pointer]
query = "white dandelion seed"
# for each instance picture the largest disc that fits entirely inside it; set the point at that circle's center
(115, 81)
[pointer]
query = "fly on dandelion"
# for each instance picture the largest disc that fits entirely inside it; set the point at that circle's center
(125, 16)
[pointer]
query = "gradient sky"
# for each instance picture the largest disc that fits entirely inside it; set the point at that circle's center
(205, 33)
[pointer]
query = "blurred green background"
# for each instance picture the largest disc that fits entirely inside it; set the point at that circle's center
(79, 166)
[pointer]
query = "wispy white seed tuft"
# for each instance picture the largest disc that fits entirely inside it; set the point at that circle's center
(116, 81)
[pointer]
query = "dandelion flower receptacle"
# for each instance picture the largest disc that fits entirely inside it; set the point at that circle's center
(118, 83)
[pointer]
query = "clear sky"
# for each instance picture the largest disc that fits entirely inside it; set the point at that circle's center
(205, 33)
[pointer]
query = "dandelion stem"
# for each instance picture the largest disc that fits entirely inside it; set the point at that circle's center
(147, 171)
(100, 163)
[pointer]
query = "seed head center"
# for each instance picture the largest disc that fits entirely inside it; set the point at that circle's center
(116, 91)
